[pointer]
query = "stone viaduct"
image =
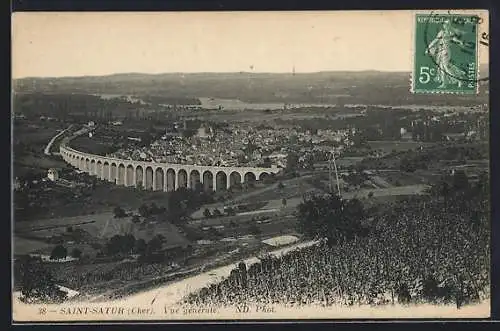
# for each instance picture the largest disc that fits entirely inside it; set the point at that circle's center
(161, 176)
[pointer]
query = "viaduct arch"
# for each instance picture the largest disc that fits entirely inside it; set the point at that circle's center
(161, 176)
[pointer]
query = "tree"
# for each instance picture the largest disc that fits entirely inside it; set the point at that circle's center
(119, 212)
(430, 288)
(331, 217)
(266, 162)
(444, 191)
(213, 233)
(144, 210)
(359, 139)
(483, 184)
(207, 213)
(281, 186)
(283, 202)
(217, 213)
(230, 211)
(128, 243)
(140, 246)
(114, 245)
(136, 219)
(460, 181)
(120, 244)
(250, 148)
(292, 162)
(59, 252)
(154, 245)
(254, 229)
(370, 195)
(408, 165)
(76, 253)
(153, 209)
(241, 158)
(188, 133)
(441, 189)
(37, 283)
(403, 293)
(242, 268)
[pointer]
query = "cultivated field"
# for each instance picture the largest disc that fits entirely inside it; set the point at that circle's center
(392, 191)
(29, 141)
(235, 104)
(348, 161)
(24, 246)
(36, 163)
(38, 133)
(397, 146)
(97, 226)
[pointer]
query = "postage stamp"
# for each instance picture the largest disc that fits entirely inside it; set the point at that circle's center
(445, 54)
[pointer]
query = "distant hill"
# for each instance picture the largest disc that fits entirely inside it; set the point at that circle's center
(320, 87)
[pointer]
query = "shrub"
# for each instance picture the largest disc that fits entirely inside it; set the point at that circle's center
(255, 230)
(37, 283)
(59, 252)
(76, 253)
(430, 290)
(119, 212)
(403, 294)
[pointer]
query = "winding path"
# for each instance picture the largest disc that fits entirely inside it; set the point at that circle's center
(51, 142)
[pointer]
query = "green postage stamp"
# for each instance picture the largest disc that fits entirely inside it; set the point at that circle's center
(445, 58)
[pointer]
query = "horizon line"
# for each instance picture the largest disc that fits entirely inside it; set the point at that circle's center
(212, 72)
(222, 72)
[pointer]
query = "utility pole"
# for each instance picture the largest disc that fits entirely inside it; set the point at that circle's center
(332, 166)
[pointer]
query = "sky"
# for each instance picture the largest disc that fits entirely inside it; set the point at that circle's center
(91, 43)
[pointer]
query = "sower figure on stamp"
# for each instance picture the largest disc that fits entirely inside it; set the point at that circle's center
(440, 49)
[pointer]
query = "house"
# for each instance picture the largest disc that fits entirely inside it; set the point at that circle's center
(256, 155)
(17, 184)
(53, 174)
(454, 136)
(134, 139)
(203, 132)
(407, 136)
(65, 183)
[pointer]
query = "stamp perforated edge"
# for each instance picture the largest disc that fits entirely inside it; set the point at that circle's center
(412, 54)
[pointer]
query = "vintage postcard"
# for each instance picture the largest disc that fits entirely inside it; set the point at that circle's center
(250, 165)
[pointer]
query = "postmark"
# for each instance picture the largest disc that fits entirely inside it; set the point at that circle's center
(446, 54)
